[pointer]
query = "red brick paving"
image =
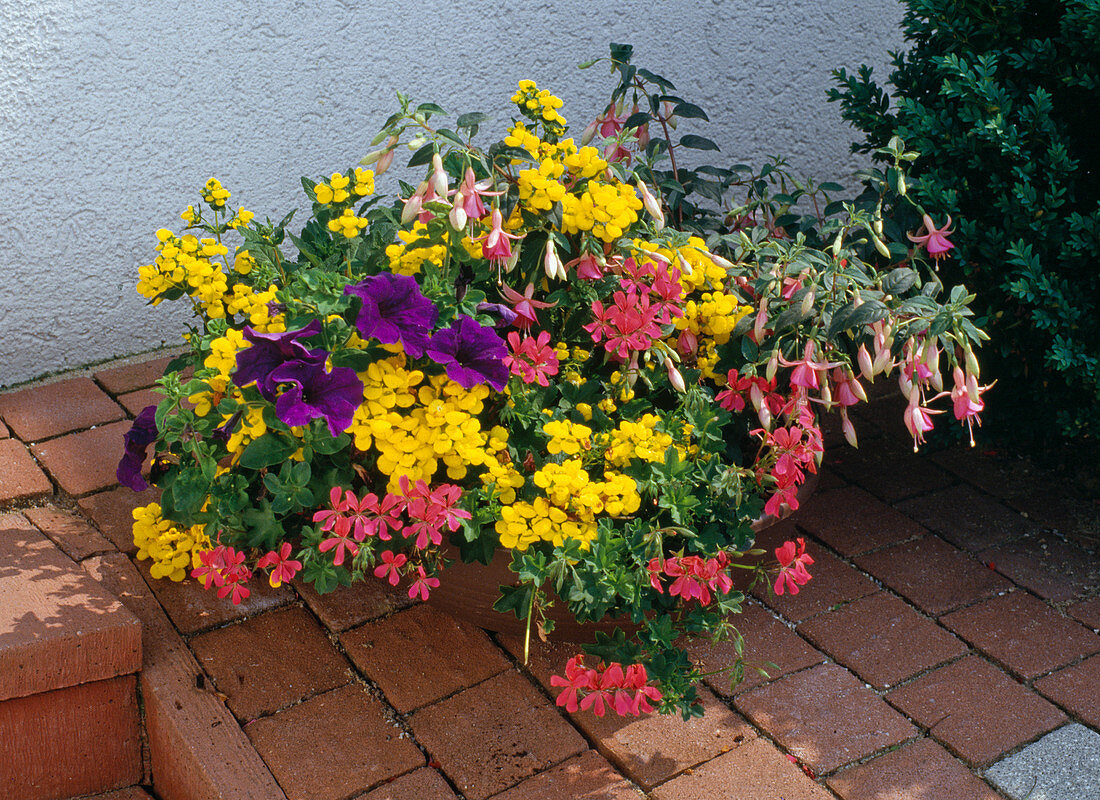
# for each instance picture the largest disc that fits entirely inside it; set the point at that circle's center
(21, 479)
(44, 411)
(891, 474)
(421, 655)
(651, 749)
(348, 606)
(4, 434)
(1086, 612)
(825, 716)
(755, 771)
(270, 661)
(882, 639)
(112, 513)
(136, 402)
(966, 517)
(584, 777)
(86, 461)
(333, 745)
(420, 784)
(1076, 689)
(1023, 633)
(834, 582)
(1054, 569)
(127, 378)
(852, 521)
(492, 736)
(933, 575)
(976, 710)
(193, 609)
(76, 537)
(921, 770)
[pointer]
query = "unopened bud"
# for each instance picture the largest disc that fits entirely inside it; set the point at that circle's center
(682, 263)
(826, 394)
(440, 179)
(857, 299)
(765, 416)
(848, 428)
(719, 261)
(457, 215)
(589, 133)
(882, 249)
(772, 367)
(510, 264)
(551, 262)
(866, 366)
(838, 242)
(674, 376)
(972, 367)
(902, 188)
(414, 204)
(384, 162)
(756, 395)
(370, 158)
(653, 206)
(807, 303)
(378, 137)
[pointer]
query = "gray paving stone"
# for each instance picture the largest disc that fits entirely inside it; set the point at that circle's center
(1063, 765)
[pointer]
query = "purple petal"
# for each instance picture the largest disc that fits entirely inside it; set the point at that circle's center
(269, 351)
(394, 309)
(314, 393)
(471, 352)
(136, 441)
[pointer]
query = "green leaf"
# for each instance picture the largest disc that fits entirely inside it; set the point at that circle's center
(899, 281)
(471, 119)
(429, 108)
(423, 155)
(516, 599)
(697, 142)
(267, 451)
(870, 312)
(637, 119)
(690, 110)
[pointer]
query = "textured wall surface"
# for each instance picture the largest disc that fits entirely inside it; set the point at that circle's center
(112, 115)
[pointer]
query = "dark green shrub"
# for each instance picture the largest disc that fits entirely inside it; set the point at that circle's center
(1000, 100)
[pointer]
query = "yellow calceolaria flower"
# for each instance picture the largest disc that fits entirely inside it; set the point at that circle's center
(408, 257)
(347, 224)
(585, 163)
(714, 315)
(189, 216)
(364, 181)
(250, 427)
(567, 437)
(605, 209)
(335, 191)
(539, 188)
(184, 263)
(242, 217)
(172, 550)
(641, 439)
(215, 194)
(539, 103)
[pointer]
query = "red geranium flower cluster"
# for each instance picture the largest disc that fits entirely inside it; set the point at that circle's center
(627, 692)
(650, 298)
(793, 560)
(694, 577)
(224, 568)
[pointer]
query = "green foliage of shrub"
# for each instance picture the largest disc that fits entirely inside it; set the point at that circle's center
(1000, 100)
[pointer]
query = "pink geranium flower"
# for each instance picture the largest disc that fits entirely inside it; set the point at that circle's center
(793, 560)
(422, 584)
(390, 568)
(283, 567)
(532, 360)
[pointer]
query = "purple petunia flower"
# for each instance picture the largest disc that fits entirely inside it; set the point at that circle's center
(270, 351)
(314, 393)
(394, 309)
(505, 315)
(137, 440)
(472, 354)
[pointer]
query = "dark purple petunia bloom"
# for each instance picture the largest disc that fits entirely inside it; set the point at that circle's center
(505, 315)
(394, 309)
(314, 393)
(270, 351)
(472, 354)
(137, 440)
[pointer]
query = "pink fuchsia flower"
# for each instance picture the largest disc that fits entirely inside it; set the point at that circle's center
(793, 560)
(497, 247)
(472, 190)
(283, 567)
(588, 267)
(918, 418)
(934, 239)
(966, 399)
(525, 305)
(532, 359)
(806, 369)
(848, 389)
(391, 565)
(422, 584)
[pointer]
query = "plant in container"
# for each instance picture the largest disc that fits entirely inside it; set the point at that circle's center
(521, 355)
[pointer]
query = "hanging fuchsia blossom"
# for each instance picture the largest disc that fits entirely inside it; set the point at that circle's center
(497, 246)
(472, 190)
(934, 239)
(525, 305)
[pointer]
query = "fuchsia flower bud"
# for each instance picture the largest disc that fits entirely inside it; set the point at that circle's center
(384, 162)
(414, 204)
(653, 206)
(848, 428)
(674, 376)
(866, 366)
(440, 179)
(457, 215)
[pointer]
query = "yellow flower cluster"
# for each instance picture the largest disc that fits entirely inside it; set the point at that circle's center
(639, 439)
(254, 305)
(223, 358)
(347, 224)
(606, 209)
(242, 217)
(335, 191)
(185, 264)
(414, 425)
(584, 163)
(539, 104)
(364, 182)
(539, 188)
(567, 437)
(713, 316)
(172, 550)
(215, 194)
(570, 508)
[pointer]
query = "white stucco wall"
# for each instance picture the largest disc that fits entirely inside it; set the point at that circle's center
(114, 112)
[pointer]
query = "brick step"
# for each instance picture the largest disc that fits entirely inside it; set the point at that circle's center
(69, 657)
